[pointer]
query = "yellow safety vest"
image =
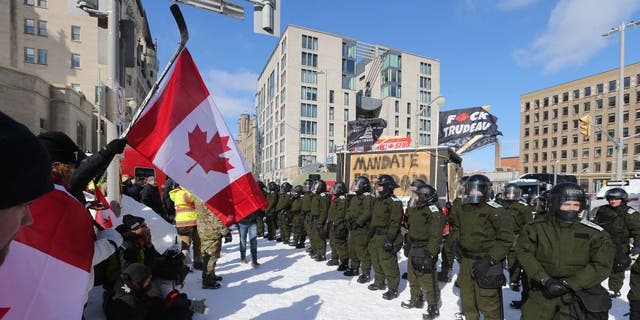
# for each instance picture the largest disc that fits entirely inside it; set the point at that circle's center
(185, 207)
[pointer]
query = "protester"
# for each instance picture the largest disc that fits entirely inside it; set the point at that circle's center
(28, 175)
(248, 226)
(211, 231)
(187, 225)
(150, 196)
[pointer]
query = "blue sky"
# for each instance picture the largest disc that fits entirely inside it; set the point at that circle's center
(491, 51)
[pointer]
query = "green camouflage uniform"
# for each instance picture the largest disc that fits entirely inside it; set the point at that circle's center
(622, 223)
(480, 230)
(359, 217)
(385, 225)
(272, 215)
(579, 253)
(284, 221)
(337, 214)
(425, 233)
(211, 231)
(319, 208)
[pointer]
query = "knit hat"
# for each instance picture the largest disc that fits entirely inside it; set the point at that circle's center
(26, 165)
(132, 222)
(61, 148)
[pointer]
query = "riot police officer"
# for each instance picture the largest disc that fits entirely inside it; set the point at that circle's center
(621, 222)
(271, 213)
(284, 216)
(385, 230)
(482, 234)
(260, 212)
(320, 202)
(563, 256)
(339, 230)
(445, 272)
(297, 220)
(425, 221)
(305, 210)
(359, 217)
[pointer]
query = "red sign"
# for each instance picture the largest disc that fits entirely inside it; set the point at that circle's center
(392, 143)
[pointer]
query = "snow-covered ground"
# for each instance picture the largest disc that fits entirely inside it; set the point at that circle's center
(289, 285)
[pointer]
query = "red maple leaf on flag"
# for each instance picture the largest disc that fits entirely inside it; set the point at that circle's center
(462, 117)
(207, 154)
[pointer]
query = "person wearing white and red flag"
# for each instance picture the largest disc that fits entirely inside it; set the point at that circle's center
(183, 133)
(56, 253)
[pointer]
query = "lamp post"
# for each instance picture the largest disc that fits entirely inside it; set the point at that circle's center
(438, 102)
(326, 115)
(619, 142)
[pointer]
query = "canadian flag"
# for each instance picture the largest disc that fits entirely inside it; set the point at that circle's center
(104, 214)
(183, 133)
(46, 273)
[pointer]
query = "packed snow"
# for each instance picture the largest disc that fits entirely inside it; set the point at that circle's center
(290, 285)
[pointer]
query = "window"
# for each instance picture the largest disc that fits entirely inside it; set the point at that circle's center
(625, 98)
(526, 119)
(597, 152)
(554, 141)
(309, 76)
(563, 155)
(545, 129)
(397, 106)
(545, 116)
(546, 102)
(585, 152)
(587, 91)
(346, 98)
(565, 125)
(331, 96)
(575, 124)
(308, 144)
(43, 3)
(565, 97)
(612, 85)
(574, 153)
(576, 94)
(526, 132)
(308, 110)
(574, 138)
(42, 56)
(29, 26)
(599, 88)
(526, 146)
(309, 59)
(536, 131)
(408, 107)
(612, 117)
(75, 60)
(612, 102)
(309, 93)
(308, 127)
(555, 99)
(555, 127)
(554, 155)
(587, 106)
(599, 104)
(627, 82)
(80, 135)
(565, 111)
(408, 123)
(576, 108)
(564, 140)
(425, 83)
(346, 114)
(598, 119)
(29, 55)
(42, 28)
(536, 104)
(331, 113)
(309, 42)
(625, 116)
(554, 113)
(425, 68)
(271, 82)
(397, 122)
(30, 2)
(331, 130)
(527, 106)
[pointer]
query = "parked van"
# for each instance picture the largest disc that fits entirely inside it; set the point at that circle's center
(631, 186)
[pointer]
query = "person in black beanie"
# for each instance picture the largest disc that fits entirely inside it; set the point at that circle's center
(28, 177)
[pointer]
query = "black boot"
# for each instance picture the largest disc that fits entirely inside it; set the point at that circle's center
(320, 257)
(445, 274)
(413, 303)
(333, 262)
(300, 245)
(343, 266)
(515, 304)
(432, 312)
(405, 276)
(364, 278)
(634, 308)
(515, 286)
(390, 294)
(210, 282)
(351, 272)
(374, 287)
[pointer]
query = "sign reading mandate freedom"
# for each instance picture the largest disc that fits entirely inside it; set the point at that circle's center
(462, 124)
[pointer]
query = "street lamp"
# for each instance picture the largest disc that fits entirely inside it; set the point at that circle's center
(438, 102)
(620, 101)
(326, 114)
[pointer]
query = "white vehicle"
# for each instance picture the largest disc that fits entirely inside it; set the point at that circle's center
(631, 186)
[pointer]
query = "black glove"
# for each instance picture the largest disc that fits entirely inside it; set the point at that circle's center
(555, 288)
(115, 146)
(388, 246)
(228, 238)
(481, 267)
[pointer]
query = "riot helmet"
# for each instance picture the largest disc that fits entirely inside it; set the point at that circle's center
(387, 183)
(339, 188)
(319, 187)
(617, 193)
(296, 192)
(561, 193)
(423, 194)
(307, 185)
(273, 187)
(285, 187)
(511, 192)
(262, 186)
(477, 189)
(361, 185)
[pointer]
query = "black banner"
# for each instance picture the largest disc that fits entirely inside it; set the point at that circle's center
(364, 133)
(484, 141)
(460, 125)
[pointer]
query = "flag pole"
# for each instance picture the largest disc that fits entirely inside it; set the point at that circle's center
(184, 37)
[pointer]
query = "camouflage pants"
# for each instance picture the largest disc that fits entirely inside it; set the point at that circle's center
(211, 253)
(260, 222)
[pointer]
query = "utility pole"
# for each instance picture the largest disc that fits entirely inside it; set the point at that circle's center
(619, 142)
(112, 125)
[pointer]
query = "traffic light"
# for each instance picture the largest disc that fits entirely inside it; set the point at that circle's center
(584, 127)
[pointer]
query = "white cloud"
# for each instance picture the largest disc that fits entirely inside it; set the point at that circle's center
(508, 5)
(233, 92)
(573, 32)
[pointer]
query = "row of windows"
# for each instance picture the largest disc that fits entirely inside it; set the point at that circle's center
(41, 3)
(586, 92)
(42, 30)
(597, 153)
(576, 109)
(309, 42)
(43, 57)
(597, 167)
(309, 59)
(598, 119)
